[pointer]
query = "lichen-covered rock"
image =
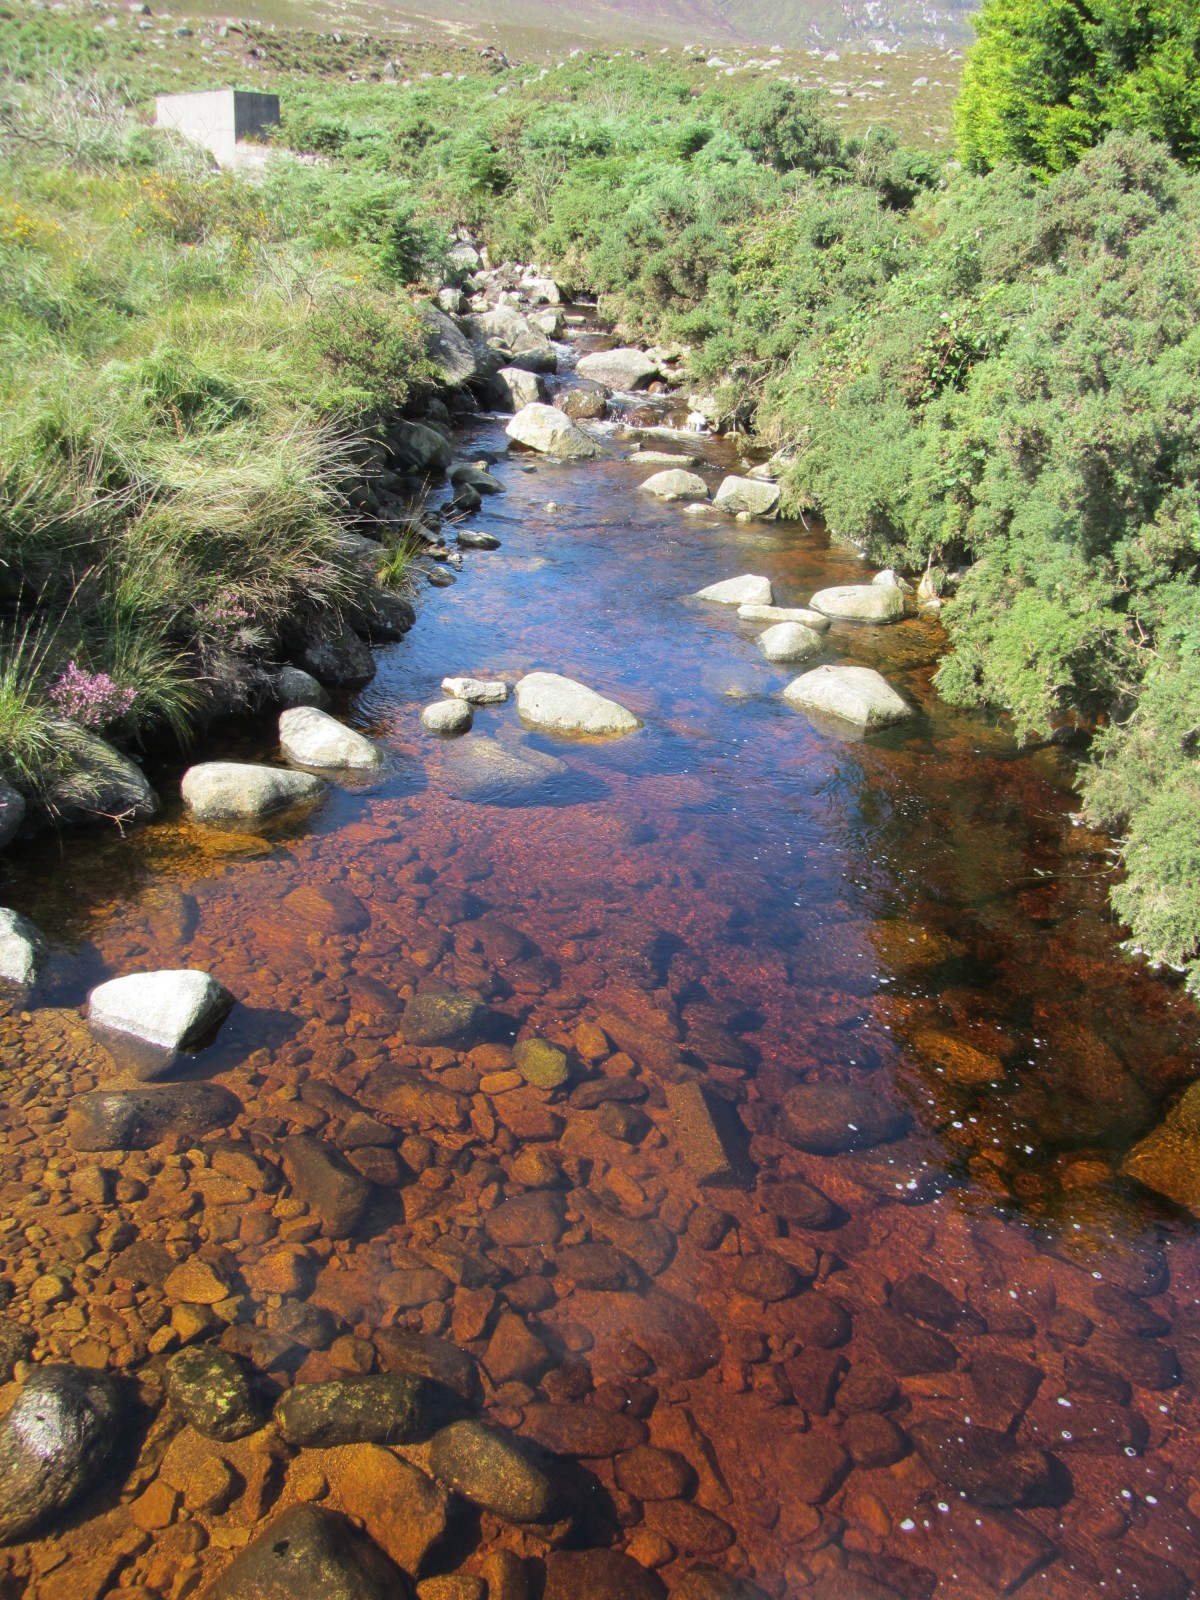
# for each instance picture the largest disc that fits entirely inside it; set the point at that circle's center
(212, 1390)
(494, 1471)
(376, 1409)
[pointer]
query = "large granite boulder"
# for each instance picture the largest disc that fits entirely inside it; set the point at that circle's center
(311, 738)
(852, 694)
(675, 484)
(554, 704)
(618, 369)
(173, 1009)
(551, 431)
(861, 602)
(236, 791)
(749, 589)
(747, 497)
(22, 948)
(54, 1444)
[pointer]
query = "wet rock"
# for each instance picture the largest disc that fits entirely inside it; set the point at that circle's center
(399, 1507)
(311, 738)
(424, 1356)
(194, 1282)
(308, 1553)
(1004, 1388)
(866, 1388)
(452, 1586)
(836, 1585)
(528, 1219)
(688, 1528)
(1088, 1427)
(678, 1335)
(798, 1202)
(624, 370)
(599, 1091)
(646, 1240)
(1167, 1160)
(766, 1277)
(598, 1575)
(789, 641)
(551, 431)
(743, 591)
(904, 1347)
(858, 695)
(924, 1298)
(326, 1183)
(413, 1287)
(12, 813)
(15, 1344)
(54, 1444)
(540, 1063)
(990, 1468)
(174, 1010)
(22, 948)
(235, 791)
(813, 1377)
(623, 1122)
(512, 389)
(586, 404)
(137, 1119)
(746, 497)
(212, 1390)
(812, 1465)
(504, 1573)
(714, 1143)
(861, 602)
(708, 1583)
(477, 691)
(456, 1021)
(295, 687)
(339, 660)
(819, 1321)
(97, 782)
(579, 1430)
(648, 1473)
(873, 1441)
(1145, 1362)
(828, 1118)
(554, 704)
(514, 1353)
(493, 1471)
(417, 448)
(598, 1266)
(329, 907)
(675, 484)
(448, 718)
(379, 1409)
(476, 539)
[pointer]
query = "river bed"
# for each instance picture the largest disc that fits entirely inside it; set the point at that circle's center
(967, 1365)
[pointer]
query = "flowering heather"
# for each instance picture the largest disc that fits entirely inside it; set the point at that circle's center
(225, 613)
(90, 698)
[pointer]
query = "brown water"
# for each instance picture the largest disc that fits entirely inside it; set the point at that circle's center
(732, 893)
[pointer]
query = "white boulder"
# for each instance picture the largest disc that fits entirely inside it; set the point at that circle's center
(551, 431)
(237, 791)
(854, 694)
(810, 619)
(676, 485)
(745, 496)
(169, 1009)
(861, 602)
(618, 369)
(554, 704)
(448, 717)
(479, 691)
(789, 641)
(312, 738)
(22, 948)
(743, 591)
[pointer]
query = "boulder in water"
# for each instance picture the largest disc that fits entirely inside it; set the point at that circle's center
(312, 738)
(551, 431)
(861, 602)
(22, 948)
(295, 687)
(828, 1118)
(624, 370)
(137, 1119)
(746, 590)
(341, 660)
(745, 496)
(54, 1443)
(172, 1009)
(236, 791)
(675, 484)
(309, 1553)
(554, 704)
(387, 1409)
(775, 614)
(12, 813)
(477, 690)
(212, 1390)
(486, 771)
(97, 782)
(789, 641)
(512, 389)
(494, 1471)
(853, 694)
(448, 717)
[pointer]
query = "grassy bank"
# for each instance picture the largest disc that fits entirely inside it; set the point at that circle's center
(989, 377)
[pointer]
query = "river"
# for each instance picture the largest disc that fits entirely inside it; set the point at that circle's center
(970, 1369)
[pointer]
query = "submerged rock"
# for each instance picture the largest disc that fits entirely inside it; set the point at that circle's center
(853, 694)
(324, 1180)
(138, 1119)
(541, 1063)
(554, 704)
(312, 738)
(212, 1390)
(828, 1118)
(235, 791)
(1168, 1159)
(599, 1575)
(748, 497)
(675, 484)
(487, 771)
(54, 1444)
(546, 428)
(624, 370)
(22, 948)
(174, 1010)
(747, 590)
(385, 1409)
(586, 404)
(789, 641)
(715, 1145)
(448, 718)
(311, 1554)
(454, 1020)
(861, 602)
(493, 1471)
(990, 1468)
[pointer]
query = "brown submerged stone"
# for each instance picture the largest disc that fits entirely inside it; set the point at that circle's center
(579, 1430)
(990, 1468)
(828, 1118)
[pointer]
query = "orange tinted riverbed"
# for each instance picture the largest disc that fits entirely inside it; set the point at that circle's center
(970, 1369)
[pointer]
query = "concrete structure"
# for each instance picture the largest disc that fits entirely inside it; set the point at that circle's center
(220, 120)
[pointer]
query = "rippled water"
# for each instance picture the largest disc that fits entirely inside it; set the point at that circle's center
(732, 893)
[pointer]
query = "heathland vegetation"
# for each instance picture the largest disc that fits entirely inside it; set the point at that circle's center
(986, 371)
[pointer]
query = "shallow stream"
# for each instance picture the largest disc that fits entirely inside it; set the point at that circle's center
(732, 893)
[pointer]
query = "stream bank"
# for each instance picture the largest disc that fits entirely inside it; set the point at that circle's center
(837, 1364)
